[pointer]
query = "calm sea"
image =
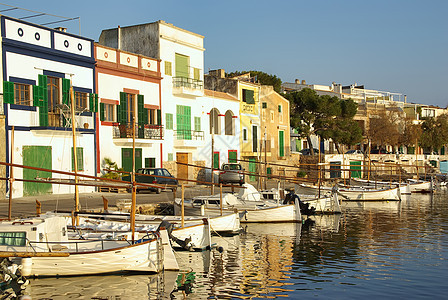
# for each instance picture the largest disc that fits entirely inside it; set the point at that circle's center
(373, 250)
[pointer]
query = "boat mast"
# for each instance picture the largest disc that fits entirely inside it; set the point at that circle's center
(11, 174)
(75, 152)
(134, 200)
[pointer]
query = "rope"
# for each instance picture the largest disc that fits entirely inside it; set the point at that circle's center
(222, 237)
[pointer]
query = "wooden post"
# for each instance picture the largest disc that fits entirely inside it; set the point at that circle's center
(183, 206)
(75, 152)
(38, 208)
(105, 203)
(11, 174)
(220, 197)
(134, 192)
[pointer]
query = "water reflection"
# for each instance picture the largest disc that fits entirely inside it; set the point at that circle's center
(380, 249)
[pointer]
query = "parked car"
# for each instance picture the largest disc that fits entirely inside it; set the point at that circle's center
(140, 177)
(379, 151)
(354, 151)
(307, 151)
(231, 173)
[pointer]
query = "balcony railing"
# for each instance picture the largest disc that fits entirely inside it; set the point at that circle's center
(147, 131)
(182, 134)
(190, 83)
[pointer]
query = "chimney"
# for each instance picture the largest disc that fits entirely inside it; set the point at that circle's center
(297, 81)
(303, 82)
(63, 29)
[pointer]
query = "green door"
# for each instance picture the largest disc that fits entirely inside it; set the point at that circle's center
(216, 160)
(36, 156)
(181, 65)
(233, 156)
(281, 143)
(126, 160)
(254, 139)
(252, 169)
(355, 168)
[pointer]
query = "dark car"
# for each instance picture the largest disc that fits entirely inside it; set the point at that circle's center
(231, 173)
(141, 177)
(307, 151)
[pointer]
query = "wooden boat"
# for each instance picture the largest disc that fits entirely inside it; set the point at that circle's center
(328, 204)
(421, 186)
(356, 194)
(42, 247)
(405, 188)
(249, 204)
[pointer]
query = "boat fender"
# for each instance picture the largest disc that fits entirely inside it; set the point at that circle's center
(220, 249)
(27, 265)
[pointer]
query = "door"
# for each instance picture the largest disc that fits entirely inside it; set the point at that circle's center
(126, 160)
(355, 168)
(36, 156)
(216, 160)
(335, 169)
(252, 169)
(182, 170)
(281, 143)
(254, 139)
(233, 156)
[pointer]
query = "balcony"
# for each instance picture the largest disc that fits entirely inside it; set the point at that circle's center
(147, 131)
(184, 86)
(188, 138)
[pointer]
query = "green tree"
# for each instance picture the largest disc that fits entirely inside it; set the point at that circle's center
(434, 132)
(384, 128)
(261, 77)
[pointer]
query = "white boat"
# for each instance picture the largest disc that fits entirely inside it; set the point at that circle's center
(248, 203)
(42, 247)
(405, 188)
(421, 186)
(328, 204)
(357, 194)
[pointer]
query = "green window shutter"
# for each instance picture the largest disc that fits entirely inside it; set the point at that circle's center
(141, 110)
(168, 68)
(169, 121)
(66, 91)
(91, 102)
(279, 108)
(80, 159)
(159, 117)
(197, 73)
(249, 96)
(197, 123)
(8, 92)
(122, 108)
(281, 143)
(95, 102)
(36, 93)
(42, 80)
(102, 112)
(181, 65)
(216, 160)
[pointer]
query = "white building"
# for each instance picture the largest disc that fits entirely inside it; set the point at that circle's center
(39, 65)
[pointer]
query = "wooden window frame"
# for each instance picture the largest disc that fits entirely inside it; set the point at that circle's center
(22, 94)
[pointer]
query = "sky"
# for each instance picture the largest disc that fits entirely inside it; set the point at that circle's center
(396, 46)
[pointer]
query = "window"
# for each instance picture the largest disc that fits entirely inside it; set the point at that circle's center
(279, 108)
(244, 134)
(196, 73)
(13, 238)
(80, 159)
(214, 121)
(230, 126)
(130, 99)
(108, 112)
(197, 123)
(248, 96)
(80, 100)
(168, 68)
(53, 93)
(152, 116)
(264, 105)
(169, 121)
(170, 157)
(181, 65)
(22, 94)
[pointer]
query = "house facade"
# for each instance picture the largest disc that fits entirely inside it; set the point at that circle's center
(129, 90)
(39, 67)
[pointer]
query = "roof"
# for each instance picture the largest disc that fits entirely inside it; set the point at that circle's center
(221, 95)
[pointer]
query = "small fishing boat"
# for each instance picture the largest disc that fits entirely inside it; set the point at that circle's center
(405, 187)
(421, 186)
(355, 193)
(42, 247)
(249, 203)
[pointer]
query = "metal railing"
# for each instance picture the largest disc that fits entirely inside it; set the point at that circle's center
(182, 134)
(147, 131)
(188, 83)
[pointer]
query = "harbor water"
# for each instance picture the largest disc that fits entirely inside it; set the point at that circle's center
(373, 249)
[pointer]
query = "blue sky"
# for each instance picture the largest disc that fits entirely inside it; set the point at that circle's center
(396, 45)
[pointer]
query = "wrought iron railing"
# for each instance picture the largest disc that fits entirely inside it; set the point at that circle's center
(182, 134)
(188, 83)
(147, 131)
